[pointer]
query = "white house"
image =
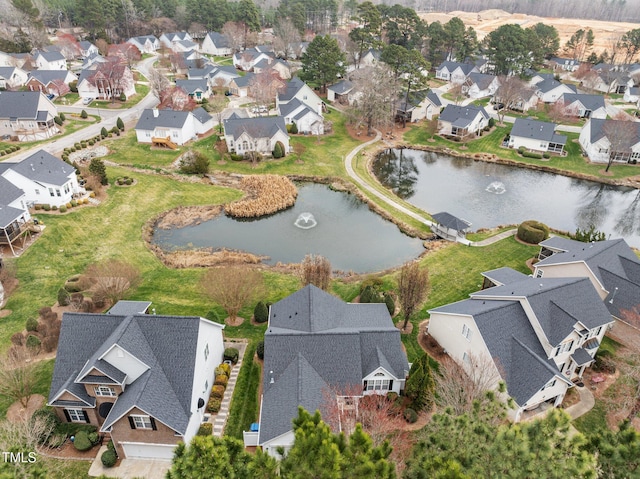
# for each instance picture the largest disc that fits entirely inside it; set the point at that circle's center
(317, 349)
(14, 214)
(216, 44)
(246, 135)
(423, 104)
(169, 39)
(12, 77)
(144, 379)
(462, 121)
(88, 49)
(537, 335)
(595, 143)
(179, 127)
(455, 72)
(523, 101)
(145, 43)
(632, 95)
(565, 64)
(27, 115)
(44, 179)
(341, 92)
(536, 135)
(480, 85)
(370, 58)
(246, 59)
(551, 91)
(585, 106)
(297, 89)
(51, 61)
(197, 89)
(222, 76)
(307, 121)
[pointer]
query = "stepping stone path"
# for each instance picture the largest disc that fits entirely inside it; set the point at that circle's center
(220, 419)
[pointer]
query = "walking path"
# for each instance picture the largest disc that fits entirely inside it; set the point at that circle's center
(220, 419)
(587, 401)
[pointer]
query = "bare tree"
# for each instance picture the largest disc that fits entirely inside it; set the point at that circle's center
(558, 112)
(103, 46)
(457, 92)
(287, 37)
(377, 90)
(17, 376)
(511, 94)
(112, 279)
(316, 270)
(235, 34)
(232, 287)
(622, 135)
(158, 83)
(216, 105)
(264, 86)
(458, 387)
(413, 283)
(112, 78)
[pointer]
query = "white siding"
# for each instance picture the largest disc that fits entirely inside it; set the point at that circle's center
(125, 362)
(138, 450)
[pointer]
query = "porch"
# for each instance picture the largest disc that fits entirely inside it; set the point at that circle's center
(15, 235)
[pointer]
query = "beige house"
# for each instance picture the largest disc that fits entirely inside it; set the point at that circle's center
(27, 116)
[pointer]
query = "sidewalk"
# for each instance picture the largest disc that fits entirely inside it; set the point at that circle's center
(220, 419)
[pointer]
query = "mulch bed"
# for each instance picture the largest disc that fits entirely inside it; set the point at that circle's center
(68, 451)
(233, 322)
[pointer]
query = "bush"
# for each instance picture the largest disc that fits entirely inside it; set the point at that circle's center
(54, 207)
(410, 415)
(231, 354)
(63, 209)
(32, 324)
(226, 369)
(109, 458)
(369, 295)
(278, 151)
(111, 446)
(96, 167)
(49, 418)
(73, 203)
(214, 404)
(205, 429)
(62, 117)
(120, 123)
(46, 207)
(391, 304)
(91, 142)
(83, 114)
(94, 437)
(194, 163)
(217, 392)
(521, 150)
(81, 441)
(57, 120)
(103, 132)
(492, 122)
(33, 343)
(260, 313)
(260, 350)
(532, 232)
(294, 128)
(530, 154)
(221, 380)
(546, 155)
(73, 86)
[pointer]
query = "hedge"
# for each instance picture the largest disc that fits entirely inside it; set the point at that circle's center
(81, 441)
(532, 232)
(221, 380)
(530, 154)
(217, 392)
(260, 350)
(214, 404)
(109, 458)
(205, 429)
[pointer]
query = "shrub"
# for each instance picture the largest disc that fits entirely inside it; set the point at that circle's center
(231, 354)
(46, 207)
(128, 181)
(236, 157)
(49, 419)
(217, 391)
(226, 369)
(111, 446)
(369, 295)
(123, 97)
(92, 194)
(73, 86)
(530, 154)
(260, 350)
(532, 232)
(391, 304)
(194, 163)
(57, 120)
(120, 124)
(278, 151)
(410, 415)
(33, 343)
(73, 203)
(521, 150)
(294, 128)
(205, 429)
(492, 122)
(32, 324)
(81, 441)
(63, 297)
(94, 437)
(62, 117)
(96, 167)
(546, 155)
(260, 313)
(214, 404)
(221, 380)
(487, 128)
(63, 209)
(83, 114)
(54, 207)
(109, 458)
(91, 142)
(103, 132)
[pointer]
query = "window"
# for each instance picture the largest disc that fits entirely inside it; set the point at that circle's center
(141, 422)
(206, 352)
(104, 391)
(206, 386)
(466, 358)
(466, 332)
(565, 347)
(379, 384)
(37, 191)
(75, 415)
(539, 273)
(598, 331)
(549, 385)
(51, 192)
(57, 192)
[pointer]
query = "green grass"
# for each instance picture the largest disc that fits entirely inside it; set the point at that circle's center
(43, 373)
(141, 92)
(223, 61)
(68, 99)
(245, 403)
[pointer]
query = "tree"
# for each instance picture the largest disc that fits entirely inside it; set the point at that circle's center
(216, 105)
(589, 235)
(511, 94)
(286, 37)
(617, 452)
(120, 124)
(558, 112)
(194, 163)
(413, 283)
(378, 89)
(509, 49)
(264, 86)
(579, 44)
(17, 376)
(111, 78)
(367, 34)
(97, 168)
(112, 279)
(235, 35)
(621, 135)
(323, 62)
(158, 83)
(248, 15)
(630, 43)
(547, 41)
(232, 287)
(458, 42)
(420, 385)
(316, 270)
(25, 437)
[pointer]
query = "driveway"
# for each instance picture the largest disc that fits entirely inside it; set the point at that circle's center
(130, 468)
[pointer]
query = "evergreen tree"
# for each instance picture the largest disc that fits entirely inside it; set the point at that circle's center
(420, 385)
(509, 48)
(97, 168)
(323, 62)
(209, 456)
(261, 312)
(120, 124)
(618, 452)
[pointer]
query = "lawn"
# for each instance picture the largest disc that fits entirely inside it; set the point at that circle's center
(141, 92)
(245, 403)
(68, 99)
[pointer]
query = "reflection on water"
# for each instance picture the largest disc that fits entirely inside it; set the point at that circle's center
(346, 232)
(459, 186)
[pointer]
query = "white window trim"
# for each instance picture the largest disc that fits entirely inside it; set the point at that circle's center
(76, 415)
(206, 352)
(105, 391)
(466, 332)
(141, 421)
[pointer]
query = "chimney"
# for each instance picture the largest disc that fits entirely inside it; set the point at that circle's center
(155, 113)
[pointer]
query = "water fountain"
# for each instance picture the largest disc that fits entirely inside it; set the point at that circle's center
(496, 187)
(305, 221)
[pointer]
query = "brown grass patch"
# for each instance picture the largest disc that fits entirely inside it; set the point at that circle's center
(187, 216)
(204, 258)
(266, 194)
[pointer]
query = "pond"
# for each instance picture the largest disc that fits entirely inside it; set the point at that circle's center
(335, 225)
(488, 194)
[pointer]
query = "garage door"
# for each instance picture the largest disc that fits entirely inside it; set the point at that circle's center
(136, 450)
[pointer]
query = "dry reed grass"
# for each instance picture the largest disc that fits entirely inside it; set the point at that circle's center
(266, 194)
(187, 216)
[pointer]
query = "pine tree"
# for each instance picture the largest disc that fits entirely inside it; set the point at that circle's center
(120, 124)
(420, 385)
(97, 168)
(323, 62)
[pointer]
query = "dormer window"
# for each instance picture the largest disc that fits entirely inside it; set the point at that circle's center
(105, 391)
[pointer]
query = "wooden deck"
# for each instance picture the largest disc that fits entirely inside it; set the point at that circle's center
(157, 141)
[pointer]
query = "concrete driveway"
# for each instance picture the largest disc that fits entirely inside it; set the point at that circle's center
(130, 468)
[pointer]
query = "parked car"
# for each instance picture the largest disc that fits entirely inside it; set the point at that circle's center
(86, 101)
(50, 96)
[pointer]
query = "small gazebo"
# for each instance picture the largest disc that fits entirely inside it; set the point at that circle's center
(449, 227)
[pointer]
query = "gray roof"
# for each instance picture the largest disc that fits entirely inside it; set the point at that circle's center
(8, 214)
(597, 126)
(256, 127)
(561, 244)
(565, 61)
(315, 341)
(502, 276)
(8, 194)
(164, 343)
(201, 115)
(51, 56)
(342, 87)
(191, 86)
(435, 99)
(7, 72)
(451, 66)
(149, 120)
(141, 39)
(581, 357)
(123, 307)
(292, 87)
(481, 79)
(43, 167)
(450, 221)
(590, 102)
(287, 108)
(462, 115)
(218, 39)
(19, 104)
(244, 81)
(47, 76)
(538, 130)
(195, 73)
(85, 45)
(549, 84)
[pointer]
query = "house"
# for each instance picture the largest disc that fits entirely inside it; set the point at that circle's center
(107, 80)
(307, 121)
(169, 39)
(566, 64)
(449, 227)
(27, 116)
(536, 135)
(6, 60)
(455, 72)
(143, 379)
(183, 46)
(12, 78)
(197, 89)
(178, 127)
(54, 82)
(92, 59)
(480, 85)
(594, 142)
(21, 60)
(239, 86)
(537, 77)
(462, 121)
(551, 91)
(124, 52)
(316, 348)
(295, 50)
(14, 213)
(612, 79)
(198, 72)
(88, 49)
(246, 59)
(44, 179)
(423, 104)
(50, 61)
(611, 266)
(128, 308)
(370, 58)
(632, 95)
(341, 92)
(246, 135)
(535, 335)
(523, 101)
(221, 76)
(280, 67)
(145, 43)
(216, 44)
(585, 106)
(297, 89)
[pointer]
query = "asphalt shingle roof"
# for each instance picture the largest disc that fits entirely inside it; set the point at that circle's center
(342, 87)
(19, 104)
(537, 130)
(449, 221)
(483, 80)
(218, 39)
(149, 120)
(462, 115)
(590, 102)
(123, 307)
(191, 86)
(43, 167)
(598, 130)
(46, 76)
(504, 275)
(255, 127)
(549, 84)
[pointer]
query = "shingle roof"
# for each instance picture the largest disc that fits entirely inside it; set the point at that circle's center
(19, 104)
(451, 66)
(450, 221)
(292, 87)
(590, 102)
(504, 275)
(538, 130)
(43, 167)
(46, 76)
(8, 191)
(7, 72)
(581, 357)
(255, 127)
(463, 115)
(219, 40)
(8, 214)
(125, 308)
(150, 119)
(598, 130)
(201, 115)
(549, 84)
(191, 86)
(481, 79)
(52, 56)
(342, 87)
(244, 81)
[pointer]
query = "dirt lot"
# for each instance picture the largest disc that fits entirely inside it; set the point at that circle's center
(488, 20)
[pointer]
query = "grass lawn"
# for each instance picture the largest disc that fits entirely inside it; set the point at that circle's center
(245, 403)
(141, 92)
(223, 61)
(68, 99)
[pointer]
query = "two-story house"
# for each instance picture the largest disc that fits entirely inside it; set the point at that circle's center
(537, 335)
(142, 379)
(217, 44)
(12, 77)
(14, 213)
(455, 72)
(27, 115)
(596, 142)
(53, 60)
(247, 135)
